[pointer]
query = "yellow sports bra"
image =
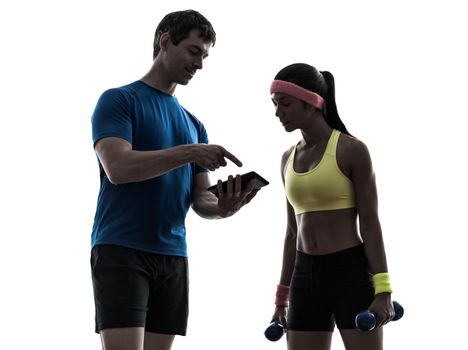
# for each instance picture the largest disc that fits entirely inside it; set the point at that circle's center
(323, 188)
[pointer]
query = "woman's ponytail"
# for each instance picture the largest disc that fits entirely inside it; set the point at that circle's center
(331, 111)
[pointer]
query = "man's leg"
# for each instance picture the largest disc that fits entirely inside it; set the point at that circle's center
(121, 289)
(168, 303)
(123, 338)
(157, 341)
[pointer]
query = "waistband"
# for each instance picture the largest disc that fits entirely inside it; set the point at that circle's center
(353, 255)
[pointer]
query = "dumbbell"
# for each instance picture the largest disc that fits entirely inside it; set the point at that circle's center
(366, 320)
(274, 331)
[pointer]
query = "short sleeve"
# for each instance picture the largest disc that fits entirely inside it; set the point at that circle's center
(111, 117)
(202, 138)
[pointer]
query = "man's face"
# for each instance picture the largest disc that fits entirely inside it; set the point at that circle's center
(184, 59)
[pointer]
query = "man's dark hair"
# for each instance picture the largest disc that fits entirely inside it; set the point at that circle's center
(179, 25)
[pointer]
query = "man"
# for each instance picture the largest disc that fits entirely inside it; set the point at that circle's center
(153, 156)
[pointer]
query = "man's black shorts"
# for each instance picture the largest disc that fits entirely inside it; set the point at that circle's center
(329, 289)
(133, 288)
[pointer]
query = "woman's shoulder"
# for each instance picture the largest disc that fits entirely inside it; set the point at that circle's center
(352, 149)
(285, 157)
(287, 154)
(351, 142)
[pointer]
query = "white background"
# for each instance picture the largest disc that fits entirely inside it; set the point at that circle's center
(400, 69)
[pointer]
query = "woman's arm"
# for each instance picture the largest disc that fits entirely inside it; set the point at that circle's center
(363, 178)
(289, 257)
(290, 240)
(289, 247)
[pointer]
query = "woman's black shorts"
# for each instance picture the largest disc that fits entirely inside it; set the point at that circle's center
(329, 289)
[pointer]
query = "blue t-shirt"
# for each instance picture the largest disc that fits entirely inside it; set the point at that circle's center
(148, 215)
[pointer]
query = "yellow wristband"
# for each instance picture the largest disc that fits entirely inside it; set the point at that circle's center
(382, 283)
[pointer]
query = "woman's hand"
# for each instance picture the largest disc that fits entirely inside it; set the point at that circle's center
(280, 315)
(382, 306)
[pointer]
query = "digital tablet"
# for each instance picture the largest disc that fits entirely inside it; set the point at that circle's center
(245, 179)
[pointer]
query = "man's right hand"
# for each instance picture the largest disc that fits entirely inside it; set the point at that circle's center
(213, 156)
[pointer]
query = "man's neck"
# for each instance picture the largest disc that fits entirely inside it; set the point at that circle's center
(156, 78)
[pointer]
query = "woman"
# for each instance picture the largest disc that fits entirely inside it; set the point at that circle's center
(331, 271)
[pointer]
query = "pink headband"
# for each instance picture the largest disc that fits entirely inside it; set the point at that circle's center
(298, 92)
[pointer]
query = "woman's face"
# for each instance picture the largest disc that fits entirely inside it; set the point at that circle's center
(290, 111)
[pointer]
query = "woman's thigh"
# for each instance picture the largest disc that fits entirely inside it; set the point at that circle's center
(302, 340)
(354, 339)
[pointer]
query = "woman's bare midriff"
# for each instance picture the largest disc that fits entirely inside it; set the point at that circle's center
(325, 232)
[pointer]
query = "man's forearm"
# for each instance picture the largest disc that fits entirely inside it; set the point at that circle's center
(206, 206)
(136, 166)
